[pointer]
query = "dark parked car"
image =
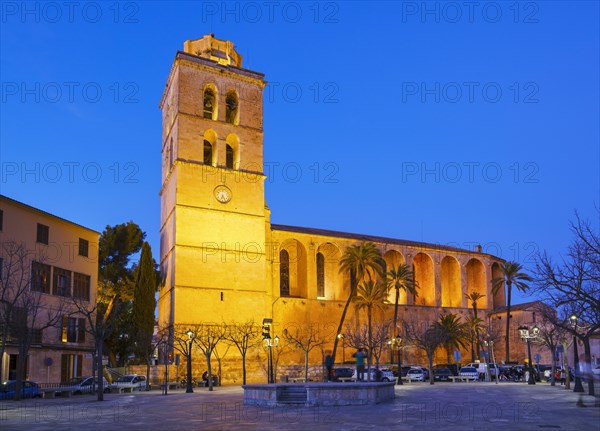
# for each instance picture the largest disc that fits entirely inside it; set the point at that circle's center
(452, 367)
(28, 390)
(342, 372)
(442, 374)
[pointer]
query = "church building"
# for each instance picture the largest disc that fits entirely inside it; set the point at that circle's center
(221, 258)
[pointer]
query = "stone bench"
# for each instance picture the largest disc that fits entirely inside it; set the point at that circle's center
(463, 379)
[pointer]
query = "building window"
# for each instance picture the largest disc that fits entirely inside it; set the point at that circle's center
(83, 247)
(72, 330)
(231, 108)
(228, 157)
(40, 277)
(171, 153)
(81, 286)
(70, 366)
(284, 273)
(1, 219)
(320, 275)
(208, 153)
(61, 282)
(209, 104)
(43, 232)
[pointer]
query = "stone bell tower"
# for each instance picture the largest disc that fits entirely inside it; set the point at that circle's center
(213, 220)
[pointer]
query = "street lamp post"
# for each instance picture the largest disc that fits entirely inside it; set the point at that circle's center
(527, 335)
(578, 384)
(397, 343)
(189, 388)
(269, 343)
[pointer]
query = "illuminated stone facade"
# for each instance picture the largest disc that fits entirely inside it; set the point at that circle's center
(222, 259)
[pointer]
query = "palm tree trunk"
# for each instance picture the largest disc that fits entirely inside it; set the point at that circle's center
(477, 340)
(370, 344)
(353, 283)
(508, 292)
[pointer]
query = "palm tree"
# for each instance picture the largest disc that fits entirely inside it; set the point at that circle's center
(474, 324)
(474, 297)
(371, 294)
(360, 261)
(400, 278)
(455, 332)
(512, 275)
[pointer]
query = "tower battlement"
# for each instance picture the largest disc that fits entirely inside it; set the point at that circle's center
(221, 51)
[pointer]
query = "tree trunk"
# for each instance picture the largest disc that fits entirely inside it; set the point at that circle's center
(477, 340)
(210, 383)
(343, 317)
(148, 359)
(99, 344)
(566, 365)
(306, 366)
(508, 294)
(587, 372)
(430, 361)
(244, 368)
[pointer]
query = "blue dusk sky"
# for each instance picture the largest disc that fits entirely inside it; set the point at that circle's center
(455, 123)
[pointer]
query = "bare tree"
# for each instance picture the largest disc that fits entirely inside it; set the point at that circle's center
(549, 335)
(243, 336)
(14, 282)
(306, 339)
(427, 337)
(207, 337)
(219, 357)
(25, 312)
(572, 286)
(99, 318)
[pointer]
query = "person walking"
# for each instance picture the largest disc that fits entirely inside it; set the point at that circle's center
(360, 364)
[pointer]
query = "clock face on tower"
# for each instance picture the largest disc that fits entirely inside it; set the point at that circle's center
(223, 194)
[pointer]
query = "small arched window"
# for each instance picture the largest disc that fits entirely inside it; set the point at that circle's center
(208, 153)
(171, 153)
(228, 157)
(209, 104)
(284, 273)
(231, 108)
(320, 275)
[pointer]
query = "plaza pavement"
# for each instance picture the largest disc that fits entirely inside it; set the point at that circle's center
(418, 406)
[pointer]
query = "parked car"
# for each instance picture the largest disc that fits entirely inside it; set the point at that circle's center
(28, 390)
(386, 375)
(481, 368)
(417, 374)
(442, 374)
(452, 367)
(342, 372)
(596, 370)
(469, 372)
(82, 385)
(134, 381)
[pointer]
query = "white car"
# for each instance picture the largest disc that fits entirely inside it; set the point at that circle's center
(386, 375)
(82, 385)
(417, 374)
(133, 381)
(469, 372)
